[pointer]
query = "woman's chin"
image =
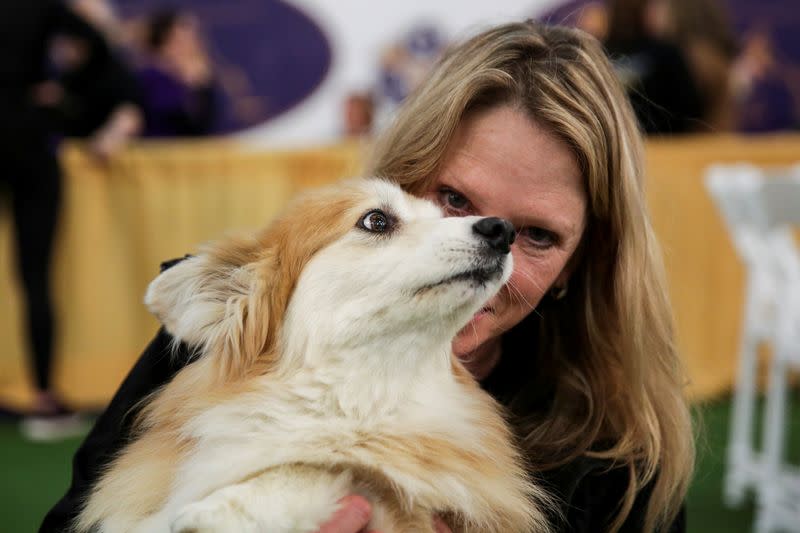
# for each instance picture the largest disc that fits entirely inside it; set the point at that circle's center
(475, 349)
(474, 333)
(466, 344)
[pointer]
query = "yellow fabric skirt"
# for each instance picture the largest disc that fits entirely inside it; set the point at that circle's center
(158, 201)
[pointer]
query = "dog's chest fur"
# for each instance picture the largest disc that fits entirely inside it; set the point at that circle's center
(442, 448)
(304, 421)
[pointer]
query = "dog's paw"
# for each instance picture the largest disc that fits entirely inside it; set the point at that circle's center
(207, 517)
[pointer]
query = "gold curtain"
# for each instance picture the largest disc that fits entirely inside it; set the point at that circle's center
(157, 201)
(705, 275)
(119, 220)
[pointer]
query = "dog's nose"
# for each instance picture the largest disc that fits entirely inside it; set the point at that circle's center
(497, 232)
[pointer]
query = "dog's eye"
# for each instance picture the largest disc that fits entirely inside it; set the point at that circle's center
(375, 221)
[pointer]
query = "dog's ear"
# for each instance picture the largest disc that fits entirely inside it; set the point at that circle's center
(217, 304)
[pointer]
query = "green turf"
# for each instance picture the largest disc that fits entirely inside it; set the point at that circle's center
(33, 476)
(706, 512)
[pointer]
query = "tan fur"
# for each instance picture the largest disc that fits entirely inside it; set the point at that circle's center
(496, 494)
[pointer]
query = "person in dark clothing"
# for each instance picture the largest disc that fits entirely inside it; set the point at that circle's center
(95, 85)
(31, 178)
(93, 95)
(703, 30)
(654, 71)
(528, 122)
(177, 83)
(31, 173)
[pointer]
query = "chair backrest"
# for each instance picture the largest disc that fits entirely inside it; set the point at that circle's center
(780, 194)
(762, 213)
(736, 191)
(780, 202)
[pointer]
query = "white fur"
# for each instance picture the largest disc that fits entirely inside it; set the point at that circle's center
(364, 355)
(195, 308)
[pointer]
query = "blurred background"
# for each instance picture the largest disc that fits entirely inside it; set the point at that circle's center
(173, 122)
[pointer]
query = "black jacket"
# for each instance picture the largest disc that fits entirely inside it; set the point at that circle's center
(660, 85)
(91, 92)
(589, 491)
(26, 29)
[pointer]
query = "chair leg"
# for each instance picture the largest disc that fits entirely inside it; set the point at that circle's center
(774, 443)
(741, 456)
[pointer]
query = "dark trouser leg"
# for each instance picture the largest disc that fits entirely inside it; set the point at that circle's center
(36, 194)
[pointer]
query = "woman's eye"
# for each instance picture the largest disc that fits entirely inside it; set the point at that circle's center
(375, 221)
(456, 200)
(452, 200)
(539, 237)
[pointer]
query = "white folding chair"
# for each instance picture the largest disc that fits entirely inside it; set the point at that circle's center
(760, 212)
(730, 188)
(779, 491)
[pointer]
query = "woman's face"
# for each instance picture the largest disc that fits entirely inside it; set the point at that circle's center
(184, 37)
(501, 163)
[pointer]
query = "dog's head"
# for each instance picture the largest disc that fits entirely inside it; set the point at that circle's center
(348, 264)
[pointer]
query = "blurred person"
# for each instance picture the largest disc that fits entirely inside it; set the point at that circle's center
(529, 123)
(177, 83)
(654, 70)
(703, 31)
(94, 94)
(593, 19)
(31, 176)
(765, 98)
(101, 15)
(358, 114)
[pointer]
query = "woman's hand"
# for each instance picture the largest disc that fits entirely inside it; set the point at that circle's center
(124, 123)
(354, 515)
(440, 526)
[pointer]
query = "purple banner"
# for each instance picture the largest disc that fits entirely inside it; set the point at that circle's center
(268, 56)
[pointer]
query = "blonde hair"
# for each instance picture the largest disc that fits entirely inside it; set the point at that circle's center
(608, 346)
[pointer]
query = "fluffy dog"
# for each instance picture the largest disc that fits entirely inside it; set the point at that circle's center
(324, 368)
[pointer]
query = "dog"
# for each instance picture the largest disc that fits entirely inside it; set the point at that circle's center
(324, 368)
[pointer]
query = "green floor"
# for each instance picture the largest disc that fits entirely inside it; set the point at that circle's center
(33, 476)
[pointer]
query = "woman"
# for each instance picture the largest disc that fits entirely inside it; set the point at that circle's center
(703, 31)
(654, 70)
(528, 123)
(98, 97)
(177, 84)
(31, 177)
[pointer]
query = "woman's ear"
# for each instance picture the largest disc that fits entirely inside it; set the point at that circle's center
(562, 280)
